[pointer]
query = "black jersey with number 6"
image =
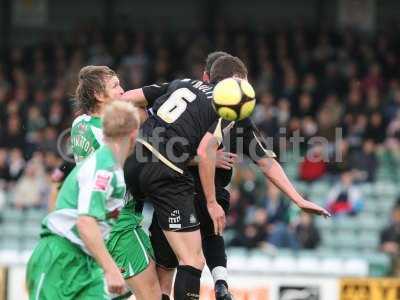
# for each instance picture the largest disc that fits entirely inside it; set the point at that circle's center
(182, 113)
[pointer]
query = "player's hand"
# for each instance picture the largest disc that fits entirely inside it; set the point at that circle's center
(312, 208)
(115, 281)
(225, 160)
(217, 215)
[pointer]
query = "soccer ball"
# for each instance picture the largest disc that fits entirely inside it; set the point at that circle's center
(234, 99)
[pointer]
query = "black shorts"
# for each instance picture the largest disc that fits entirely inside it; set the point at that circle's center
(200, 202)
(164, 255)
(170, 192)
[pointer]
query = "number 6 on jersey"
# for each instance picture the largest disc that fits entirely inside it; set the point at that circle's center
(175, 105)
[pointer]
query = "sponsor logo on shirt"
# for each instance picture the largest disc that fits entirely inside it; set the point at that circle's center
(101, 181)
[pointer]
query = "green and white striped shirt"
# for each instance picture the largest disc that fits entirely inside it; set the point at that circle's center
(95, 188)
(86, 136)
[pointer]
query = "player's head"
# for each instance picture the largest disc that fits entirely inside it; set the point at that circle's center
(211, 58)
(97, 85)
(121, 123)
(227, 66)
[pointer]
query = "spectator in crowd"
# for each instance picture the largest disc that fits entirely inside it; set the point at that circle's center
(306, 232)
(4, 176)
(14, 136)
(364, 163)
(4, 169)
(49, 140)
(314, 165)
(250, 185)
(345, 198)
(235, 220)
(390, 238)
(254, 233)
(16, 164)
(32, 190)
(339, 160)
(376, 128)
(282, 236)
(277, 208)
(2, 198)
(393, 141)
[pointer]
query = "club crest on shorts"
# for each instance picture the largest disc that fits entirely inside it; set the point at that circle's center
(192, 219)
(175, 219)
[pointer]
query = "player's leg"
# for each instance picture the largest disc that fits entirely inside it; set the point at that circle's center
(172, 195)
(174, 207)
(187, 247)
(97, 288)
(214, 245)
(145, 285)
(60, 270)
(131, 250)
(165, 258)
(166, 278)
(188, 275)
(215, 255)
(37, 271)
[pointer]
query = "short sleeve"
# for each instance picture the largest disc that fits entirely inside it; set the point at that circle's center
(254, 144)
(220, 127)
(93, 193)
(154, 91)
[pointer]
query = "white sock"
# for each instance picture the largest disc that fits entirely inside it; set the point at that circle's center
(219, 273)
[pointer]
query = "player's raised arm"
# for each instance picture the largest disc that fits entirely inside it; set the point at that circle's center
(136, 97)
(274, 172)
(256, 148)
(145, 96)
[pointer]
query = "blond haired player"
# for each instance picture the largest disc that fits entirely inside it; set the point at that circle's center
(97, 86)
(128, 244)
(71, 260)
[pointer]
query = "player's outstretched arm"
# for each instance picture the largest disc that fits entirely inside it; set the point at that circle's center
(274, 172)
(145, 96)
(90, 233)
(136, 97)
(207, 152)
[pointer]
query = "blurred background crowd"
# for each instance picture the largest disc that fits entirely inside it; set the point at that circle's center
(342, 86)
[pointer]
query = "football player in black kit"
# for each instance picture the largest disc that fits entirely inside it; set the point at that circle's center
(244, 138)
(183, 118)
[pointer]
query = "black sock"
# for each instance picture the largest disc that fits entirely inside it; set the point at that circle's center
(187, 283)
(164, 297)
(214, 251)
(222, 282)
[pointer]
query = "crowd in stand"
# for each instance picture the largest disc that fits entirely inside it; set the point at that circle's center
(307, 82)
